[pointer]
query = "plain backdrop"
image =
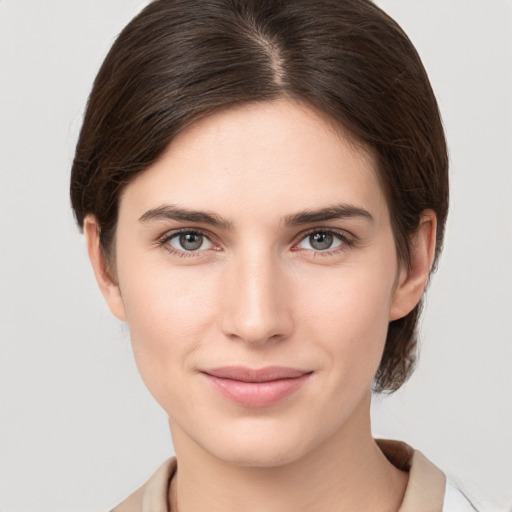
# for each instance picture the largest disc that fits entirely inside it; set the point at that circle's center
(78, 429)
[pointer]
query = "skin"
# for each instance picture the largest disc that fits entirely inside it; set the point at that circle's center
(258, 293)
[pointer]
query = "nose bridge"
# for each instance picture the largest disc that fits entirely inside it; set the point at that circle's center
(257, 310)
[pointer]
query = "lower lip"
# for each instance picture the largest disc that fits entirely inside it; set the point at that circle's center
(257, 394)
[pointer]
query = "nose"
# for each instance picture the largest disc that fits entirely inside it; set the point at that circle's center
(256, 304)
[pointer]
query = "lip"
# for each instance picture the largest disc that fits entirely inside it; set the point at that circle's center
(256, 387)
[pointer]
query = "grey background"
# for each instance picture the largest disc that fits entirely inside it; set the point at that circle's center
(78, 429)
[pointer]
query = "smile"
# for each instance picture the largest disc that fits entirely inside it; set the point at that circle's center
(256, 388)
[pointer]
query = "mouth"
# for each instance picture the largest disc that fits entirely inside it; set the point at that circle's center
(256, 387)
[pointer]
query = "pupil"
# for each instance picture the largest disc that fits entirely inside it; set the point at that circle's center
(191, 241)
(321, 241)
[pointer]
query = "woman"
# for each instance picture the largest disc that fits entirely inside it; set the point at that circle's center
(263, 188)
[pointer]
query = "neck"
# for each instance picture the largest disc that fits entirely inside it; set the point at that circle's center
(347, 472)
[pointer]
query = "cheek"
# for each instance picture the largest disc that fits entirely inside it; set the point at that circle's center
(349, 317)
(161, 300)
(168, 314)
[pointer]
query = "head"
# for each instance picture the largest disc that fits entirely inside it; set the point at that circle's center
(175, 69)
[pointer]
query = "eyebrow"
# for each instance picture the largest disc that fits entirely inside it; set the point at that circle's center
(172, 212)
(341, 211)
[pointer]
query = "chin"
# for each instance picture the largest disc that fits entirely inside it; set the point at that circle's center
(258, 456)
(264, 446)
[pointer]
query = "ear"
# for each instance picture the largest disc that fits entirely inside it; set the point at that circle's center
(413, 279)
(107, 283)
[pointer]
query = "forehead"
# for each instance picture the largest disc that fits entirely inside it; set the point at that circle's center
(280, 155)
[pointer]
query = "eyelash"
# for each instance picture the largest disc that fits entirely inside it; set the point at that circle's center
(167, 237)
(347, 241)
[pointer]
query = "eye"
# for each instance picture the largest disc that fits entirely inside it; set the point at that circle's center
(189, 241)
(323, 240)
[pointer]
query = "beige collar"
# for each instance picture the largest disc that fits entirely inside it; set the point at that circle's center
(424, 493)
(426, 486)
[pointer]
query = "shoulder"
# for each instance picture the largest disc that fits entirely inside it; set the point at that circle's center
(428, 489)
(152, 496)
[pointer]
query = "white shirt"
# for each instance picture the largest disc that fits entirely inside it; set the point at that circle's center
(457, 499)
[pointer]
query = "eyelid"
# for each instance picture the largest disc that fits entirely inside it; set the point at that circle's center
(162, 241)
(347, 238)
(173, 232)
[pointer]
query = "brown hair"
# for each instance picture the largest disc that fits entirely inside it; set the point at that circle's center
(180, 60)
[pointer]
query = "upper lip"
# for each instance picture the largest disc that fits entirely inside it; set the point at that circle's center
(266, 374)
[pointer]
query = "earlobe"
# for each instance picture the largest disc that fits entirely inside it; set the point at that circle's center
(413, 279)
(108, 286)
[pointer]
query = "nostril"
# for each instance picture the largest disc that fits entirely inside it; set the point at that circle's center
(254, 309)
(272, 328)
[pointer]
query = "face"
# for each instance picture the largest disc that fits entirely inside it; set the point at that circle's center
(257, 272)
